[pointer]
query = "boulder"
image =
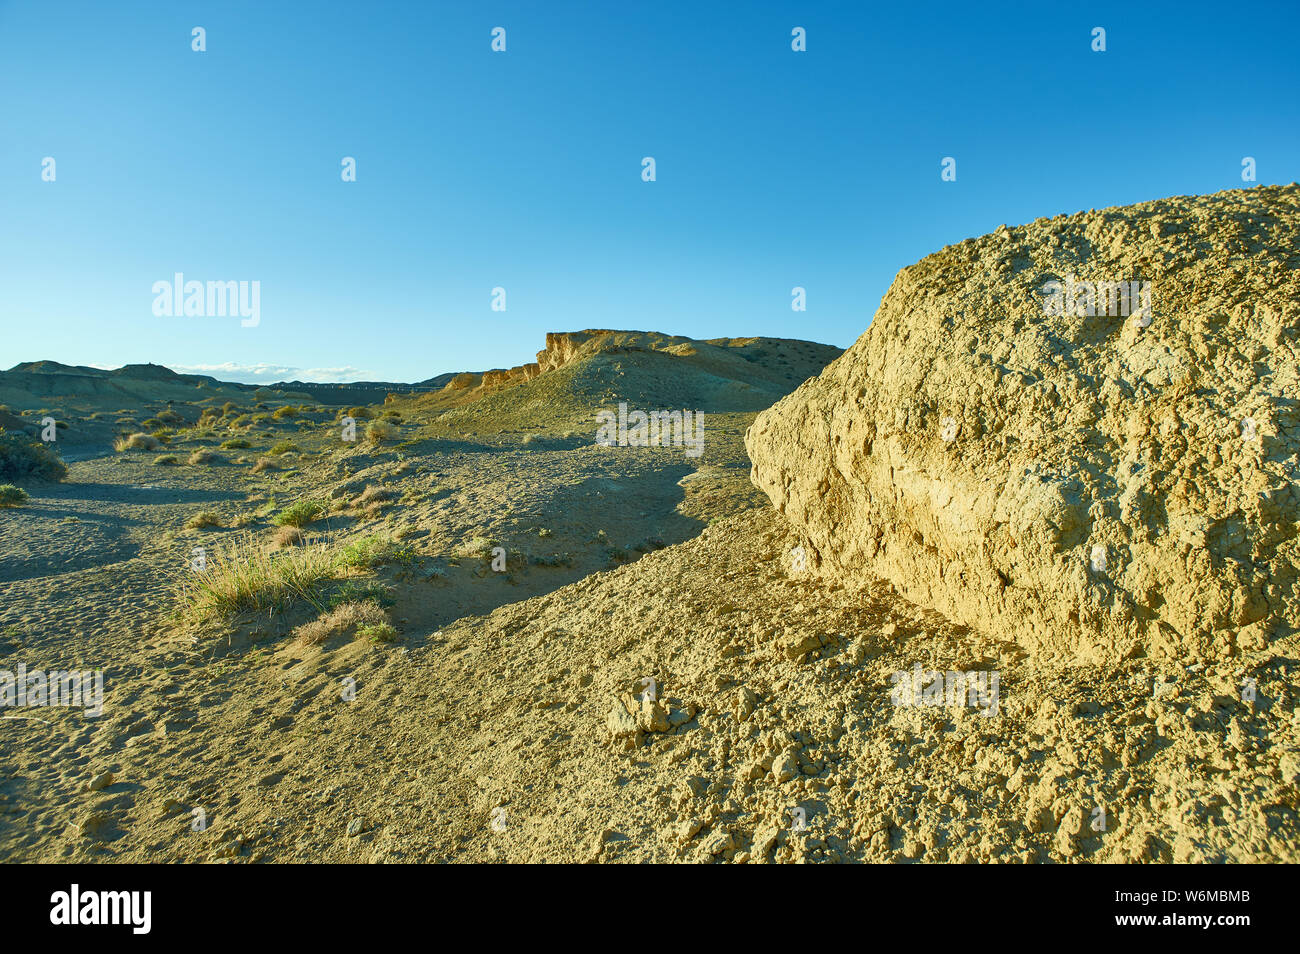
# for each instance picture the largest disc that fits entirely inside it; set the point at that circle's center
(1095, 470)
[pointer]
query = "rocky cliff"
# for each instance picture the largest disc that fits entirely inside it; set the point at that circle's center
(1080, 433)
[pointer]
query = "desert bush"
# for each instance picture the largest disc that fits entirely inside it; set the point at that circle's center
(23, 457)
(11, 496)
(246, 577)
(235, 443)
(378, 431)
(203, 520)
(166, 460)
(360, 413)
(283, 412)
(299, 514)
(205, 457)
(163, 435)
(242, 420)
(263, 463)
(169, 417)
(283, 447)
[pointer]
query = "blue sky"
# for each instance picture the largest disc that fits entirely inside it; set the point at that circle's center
(522, 169)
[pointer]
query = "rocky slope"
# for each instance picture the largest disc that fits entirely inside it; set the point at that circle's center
(1096, 486)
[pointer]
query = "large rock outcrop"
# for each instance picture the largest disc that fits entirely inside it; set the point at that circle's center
(1092, 486)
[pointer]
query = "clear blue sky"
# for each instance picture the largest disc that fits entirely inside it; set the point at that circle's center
(523, 169)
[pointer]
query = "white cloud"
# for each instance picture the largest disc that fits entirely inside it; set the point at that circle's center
(269, 373)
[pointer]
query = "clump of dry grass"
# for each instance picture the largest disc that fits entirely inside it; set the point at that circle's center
(379, 431)
(363, 615)
(247, 577)
(205, 457)
(287, 537)
(374, 494)
(263, 463)
(137, 441)
(204, 519)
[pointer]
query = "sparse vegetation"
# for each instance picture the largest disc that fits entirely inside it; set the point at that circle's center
(284, 447)
(287, 536)
(205, 457)
(166, 460)
(263, 463)
(235, 443)
(284, 412)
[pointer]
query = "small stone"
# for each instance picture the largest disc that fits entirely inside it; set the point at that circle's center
(356, 827)
(99, 782)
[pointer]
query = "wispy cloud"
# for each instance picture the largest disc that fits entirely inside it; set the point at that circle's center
(269, 373)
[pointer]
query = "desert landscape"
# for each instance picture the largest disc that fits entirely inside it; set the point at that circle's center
(1012, 579)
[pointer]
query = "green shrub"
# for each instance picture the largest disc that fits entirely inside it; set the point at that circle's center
(23, 457)
(287, 411)
(235, 443)
(167, 460)
(283, 447)
(11, 496)
(299, 514)
(377, 632)
(374, 551)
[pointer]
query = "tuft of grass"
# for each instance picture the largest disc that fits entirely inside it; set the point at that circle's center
(356, 591)
(166, 460)
(235, 443)
(203, 520)
(205, 457)
(11, 496)
(377, 632)
(137, 441)
(246, 577)
(339, 619)
(287, 537)
(263, 463)
(283, 447)
(299, 514)
(287, 411)
(372, 551)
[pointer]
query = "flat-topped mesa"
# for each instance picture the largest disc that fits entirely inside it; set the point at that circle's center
(1093, 481)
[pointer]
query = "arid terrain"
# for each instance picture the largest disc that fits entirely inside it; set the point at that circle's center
(483, 630)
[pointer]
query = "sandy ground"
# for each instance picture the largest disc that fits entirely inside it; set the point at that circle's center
(655, 676)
